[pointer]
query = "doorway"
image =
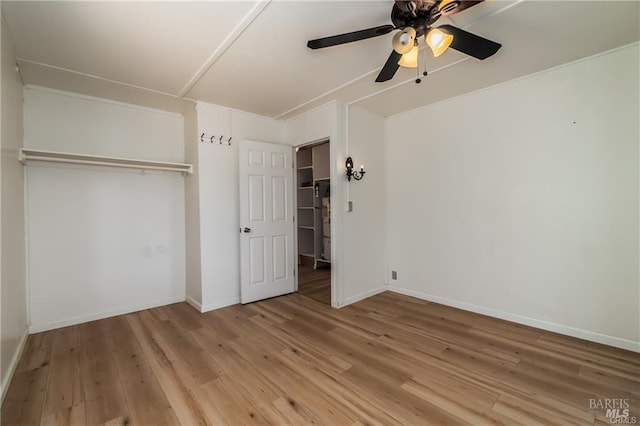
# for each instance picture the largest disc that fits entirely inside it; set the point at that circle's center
(313, 207)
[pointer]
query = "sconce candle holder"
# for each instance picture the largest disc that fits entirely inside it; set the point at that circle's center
(351, 173)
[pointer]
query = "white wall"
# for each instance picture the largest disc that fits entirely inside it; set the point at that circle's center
(12, 266)
(364, 229)
(102, 241)
(521, 201)
(219, 200)
(68, 122)
(192, 209)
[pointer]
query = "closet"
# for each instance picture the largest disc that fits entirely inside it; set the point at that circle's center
(314, 204)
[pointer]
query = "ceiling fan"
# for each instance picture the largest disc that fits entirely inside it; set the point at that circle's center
(414, 19)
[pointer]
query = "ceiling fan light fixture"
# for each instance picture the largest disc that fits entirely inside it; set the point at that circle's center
(409, 59)
(438, 41)
(403, 41)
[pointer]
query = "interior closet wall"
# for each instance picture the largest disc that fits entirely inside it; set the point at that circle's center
(102, 241)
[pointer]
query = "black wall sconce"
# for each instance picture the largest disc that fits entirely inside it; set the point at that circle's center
(356, 175)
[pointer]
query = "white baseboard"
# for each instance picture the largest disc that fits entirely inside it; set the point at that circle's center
(362, 296)
(193, 302)
(37, 328)
(532, 322)
(210, 306)
(6, 380)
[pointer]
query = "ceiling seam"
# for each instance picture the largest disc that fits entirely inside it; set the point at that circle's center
(302, 105)
(348, 83)
(158, 92)
(225, 45)
(412, 79)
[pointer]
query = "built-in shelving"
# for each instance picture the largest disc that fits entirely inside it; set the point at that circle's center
(30, 155)
(312, 173)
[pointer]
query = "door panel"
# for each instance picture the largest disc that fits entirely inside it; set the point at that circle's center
(256, 199)
(266, 220)
(279, 187)
(258, 260)
(280, 264)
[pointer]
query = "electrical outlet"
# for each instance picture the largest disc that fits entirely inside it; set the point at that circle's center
(394, 275)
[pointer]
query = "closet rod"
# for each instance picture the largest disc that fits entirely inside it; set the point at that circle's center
(27, 155)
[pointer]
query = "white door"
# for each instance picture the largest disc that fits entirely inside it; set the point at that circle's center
(266, 221)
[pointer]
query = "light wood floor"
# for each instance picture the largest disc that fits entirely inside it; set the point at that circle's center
(315, 283)
(389, 359)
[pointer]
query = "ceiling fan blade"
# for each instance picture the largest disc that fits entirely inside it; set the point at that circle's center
(471, 44)
(390, 67)
(350, 37)
(465, 4)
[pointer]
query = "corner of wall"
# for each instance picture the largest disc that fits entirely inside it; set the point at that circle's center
(13, 286)
(193, 288)
(13, 364)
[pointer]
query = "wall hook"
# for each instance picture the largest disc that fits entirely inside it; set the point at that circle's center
(229, 141)
(211, 140)
(202, 137)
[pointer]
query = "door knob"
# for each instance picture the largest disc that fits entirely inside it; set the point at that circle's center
(246, 230)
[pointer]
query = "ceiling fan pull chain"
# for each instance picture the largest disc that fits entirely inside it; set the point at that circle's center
(425, 73)
(418, 80)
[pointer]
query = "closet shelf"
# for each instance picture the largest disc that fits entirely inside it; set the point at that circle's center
(28, 155)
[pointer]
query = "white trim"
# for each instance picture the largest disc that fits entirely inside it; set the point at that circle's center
(337, 154)
(37, 328)
(27, 155)
(286, 115)
(212, 306)
(244, 23)
(6, 380)
(362, 296)
(592, 336)
(194, 303)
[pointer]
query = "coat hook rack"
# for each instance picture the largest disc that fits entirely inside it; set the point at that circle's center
(221, 139)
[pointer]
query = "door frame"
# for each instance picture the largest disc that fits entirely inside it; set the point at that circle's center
(329, 140)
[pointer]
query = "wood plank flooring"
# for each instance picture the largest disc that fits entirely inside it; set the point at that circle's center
(389, 359)
(315, 283)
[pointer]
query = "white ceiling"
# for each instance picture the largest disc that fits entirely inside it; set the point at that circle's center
(252, 55)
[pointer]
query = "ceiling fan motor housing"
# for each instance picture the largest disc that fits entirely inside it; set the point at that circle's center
(422, 20)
